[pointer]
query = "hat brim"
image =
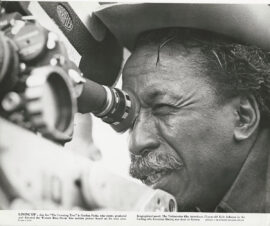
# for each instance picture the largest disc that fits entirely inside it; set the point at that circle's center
(246, 23)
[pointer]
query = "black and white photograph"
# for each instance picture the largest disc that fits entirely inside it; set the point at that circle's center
(135, 107)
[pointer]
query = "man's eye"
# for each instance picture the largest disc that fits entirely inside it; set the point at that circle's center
(162, 109)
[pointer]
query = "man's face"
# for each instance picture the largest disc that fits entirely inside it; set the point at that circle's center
(182, 141)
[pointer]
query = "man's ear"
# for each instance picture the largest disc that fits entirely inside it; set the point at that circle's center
(248, 118)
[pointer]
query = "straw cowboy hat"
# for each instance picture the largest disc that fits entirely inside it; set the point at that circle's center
(246, 23)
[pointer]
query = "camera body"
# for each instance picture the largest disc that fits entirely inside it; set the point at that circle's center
(41, 88)
(37, 79)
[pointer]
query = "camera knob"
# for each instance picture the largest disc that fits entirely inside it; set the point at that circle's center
(31, 41)
(50, 103)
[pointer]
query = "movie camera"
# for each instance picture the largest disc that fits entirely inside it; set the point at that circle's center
(41, 88)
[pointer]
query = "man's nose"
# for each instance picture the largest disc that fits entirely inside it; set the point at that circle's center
(143, 136)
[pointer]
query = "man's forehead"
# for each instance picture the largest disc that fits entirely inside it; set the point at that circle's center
(140, 62)
(166, 64)
(149, 77)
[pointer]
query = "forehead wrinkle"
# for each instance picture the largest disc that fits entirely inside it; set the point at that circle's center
(152, 93)
(138, 70)
(170, 66)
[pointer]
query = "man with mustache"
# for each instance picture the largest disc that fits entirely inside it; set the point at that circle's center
(201, 74)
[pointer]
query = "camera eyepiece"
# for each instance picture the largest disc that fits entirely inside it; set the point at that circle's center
(123, 110)
(114, 106)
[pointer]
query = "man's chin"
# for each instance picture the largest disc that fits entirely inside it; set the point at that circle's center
(160, 180)
(154, 179)
(174, 183)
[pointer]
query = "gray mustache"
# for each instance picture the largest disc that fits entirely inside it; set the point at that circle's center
(153, 162)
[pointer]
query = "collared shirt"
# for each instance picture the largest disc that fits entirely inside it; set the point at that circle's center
(250, 192)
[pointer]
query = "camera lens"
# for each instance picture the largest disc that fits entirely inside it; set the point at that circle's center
(50, 103)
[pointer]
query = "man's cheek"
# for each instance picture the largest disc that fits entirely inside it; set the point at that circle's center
(168, 125)
(182, 120)
(176, 129)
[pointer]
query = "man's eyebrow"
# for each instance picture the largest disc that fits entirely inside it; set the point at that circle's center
(151, 95)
